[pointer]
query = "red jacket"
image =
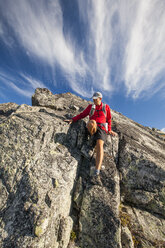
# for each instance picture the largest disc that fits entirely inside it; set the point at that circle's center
(98, 116)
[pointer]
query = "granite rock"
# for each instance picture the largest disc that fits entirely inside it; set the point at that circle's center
(46, 198)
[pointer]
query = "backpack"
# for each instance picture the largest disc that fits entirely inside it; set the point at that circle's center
(104, 111)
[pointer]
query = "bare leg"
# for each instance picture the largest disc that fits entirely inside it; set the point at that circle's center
(99, 153)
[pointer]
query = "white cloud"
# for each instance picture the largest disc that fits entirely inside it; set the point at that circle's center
(24, 92)
(124, 39)
(22, 84)
(97, 15)
(2, 96)
(32, 82)
(145, 53)
(39, 29)
(1, 29)
(163, 129)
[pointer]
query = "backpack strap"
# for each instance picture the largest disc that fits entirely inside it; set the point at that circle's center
(104, 110)
(105, 113)
(92, 110)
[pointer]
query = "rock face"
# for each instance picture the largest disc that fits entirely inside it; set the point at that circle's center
(46, 198)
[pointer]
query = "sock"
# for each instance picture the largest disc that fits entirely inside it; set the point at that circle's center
(97, 172)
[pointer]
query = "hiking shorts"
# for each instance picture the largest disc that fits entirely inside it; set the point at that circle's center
(100, 134)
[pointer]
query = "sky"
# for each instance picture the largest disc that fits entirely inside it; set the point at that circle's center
(116, 47)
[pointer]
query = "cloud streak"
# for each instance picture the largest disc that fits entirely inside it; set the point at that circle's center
(124, 43)
(100, 39)
(99, 17)
(127, 42)
(39, 29)
(145, 52)
(22, 84)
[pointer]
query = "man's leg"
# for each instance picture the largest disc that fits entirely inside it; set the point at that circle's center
(99, 158)
(99, 154)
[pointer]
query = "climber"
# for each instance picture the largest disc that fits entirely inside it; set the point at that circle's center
(99, 125)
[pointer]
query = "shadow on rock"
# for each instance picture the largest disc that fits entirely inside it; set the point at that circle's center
(91, 205)
(99, 223)
(18, 220)
(80, 146)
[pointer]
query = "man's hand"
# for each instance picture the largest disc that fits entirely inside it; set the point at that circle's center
(112, 133)
(69, 121)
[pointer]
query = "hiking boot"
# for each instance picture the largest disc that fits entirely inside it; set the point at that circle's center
(96, 180)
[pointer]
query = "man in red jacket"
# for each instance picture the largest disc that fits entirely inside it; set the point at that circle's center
(99, 125)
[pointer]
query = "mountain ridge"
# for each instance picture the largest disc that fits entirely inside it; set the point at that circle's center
(46, 196)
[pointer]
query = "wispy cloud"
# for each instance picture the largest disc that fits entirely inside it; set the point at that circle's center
(130, 34)
(24, 92)
(163, 129)
(22, 84)
(124, 43)
(98, 15)
(145, 52)
(1, 29)
(2, 96)
(39, 29)
(32, 82)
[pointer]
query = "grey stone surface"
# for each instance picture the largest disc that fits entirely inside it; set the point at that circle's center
(7, 109)
(126, 237)
(46, 198)
(37, 176)
(142, 165)
(141, 227)
(99, 215)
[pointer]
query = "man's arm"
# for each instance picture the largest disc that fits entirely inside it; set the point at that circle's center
(109, 121)
(69, 121)
(81, 115)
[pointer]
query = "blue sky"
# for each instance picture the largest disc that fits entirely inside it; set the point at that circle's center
(81, 46)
